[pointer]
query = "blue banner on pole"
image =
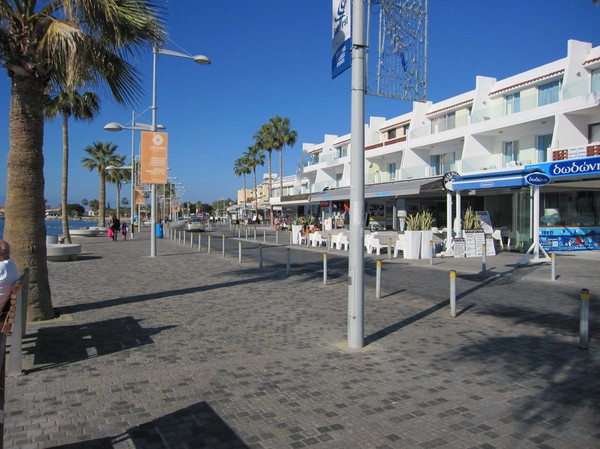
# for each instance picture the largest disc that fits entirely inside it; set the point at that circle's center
(341, 58)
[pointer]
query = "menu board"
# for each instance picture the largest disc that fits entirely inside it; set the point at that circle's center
(459, 247)
(474, 240)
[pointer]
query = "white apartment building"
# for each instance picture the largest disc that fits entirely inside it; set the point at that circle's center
(545, 120)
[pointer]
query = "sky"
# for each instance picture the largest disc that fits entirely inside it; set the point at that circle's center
(273, 57)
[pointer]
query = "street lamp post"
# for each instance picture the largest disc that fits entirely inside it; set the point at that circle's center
(200, 59)
(114, 126)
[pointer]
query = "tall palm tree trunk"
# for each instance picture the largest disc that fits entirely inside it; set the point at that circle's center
(102, 205)
(65, 179)
(270, 187)
(255, 194)
(25, 224)
(280, 174)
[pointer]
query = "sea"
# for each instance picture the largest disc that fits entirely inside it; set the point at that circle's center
(54, 227)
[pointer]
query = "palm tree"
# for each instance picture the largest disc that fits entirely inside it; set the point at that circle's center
(118, 177)
(255, 157)
(59, 42)
(282, 135)
(242, 168)
(100, 156)
(264, 139)
(81, 107)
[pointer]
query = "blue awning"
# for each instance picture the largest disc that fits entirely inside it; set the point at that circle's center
(495, 181)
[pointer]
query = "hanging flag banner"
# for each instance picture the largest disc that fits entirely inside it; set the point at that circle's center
(154, 158)
(341, 37)
(140, 196)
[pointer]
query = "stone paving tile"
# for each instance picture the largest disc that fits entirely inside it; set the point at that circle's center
(194, 350)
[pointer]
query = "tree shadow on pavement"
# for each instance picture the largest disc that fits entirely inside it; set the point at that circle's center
(566, 377)
(113, 302)
(61, 345)
(197, 426)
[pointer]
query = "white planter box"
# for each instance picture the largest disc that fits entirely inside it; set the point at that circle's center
(296, 230)
(412, 244)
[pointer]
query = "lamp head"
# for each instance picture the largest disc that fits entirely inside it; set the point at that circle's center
(201, 59)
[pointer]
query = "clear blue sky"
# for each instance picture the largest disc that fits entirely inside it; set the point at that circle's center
(272, 57)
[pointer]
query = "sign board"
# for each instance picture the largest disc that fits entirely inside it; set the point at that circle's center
(341, 45)
(486, 221)
(474, 240)
(154, 158)
(140, 197)
(537, 179)
(460, 249)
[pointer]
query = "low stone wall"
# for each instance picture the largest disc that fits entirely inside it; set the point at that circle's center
(57, 252)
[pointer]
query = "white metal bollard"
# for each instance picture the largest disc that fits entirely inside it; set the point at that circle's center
(277, 237)
(483, 256)
(553, 259)
(288, 261)
(264, 235)
(199, 242)
(240, 251)
(223, 246)
(260, 256)
(209, 238)
(255, 233)
(430, 252)
(325, 268)
(453, 293)
(378, 279)
(389, 249)
(584, 319)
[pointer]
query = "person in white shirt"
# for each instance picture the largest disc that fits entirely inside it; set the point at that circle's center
(8, 273)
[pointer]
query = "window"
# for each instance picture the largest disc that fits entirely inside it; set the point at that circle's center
(314, 158)
(594, 133)
(548, 93)
(341, 151)
(338, 179)
(442, 163)
(391, 169)
(510, 153)
(543, 143)
(391, 134)
(443, 122)
(513, 103)
(596, 80)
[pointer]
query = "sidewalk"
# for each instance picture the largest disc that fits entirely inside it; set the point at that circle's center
(193, 350)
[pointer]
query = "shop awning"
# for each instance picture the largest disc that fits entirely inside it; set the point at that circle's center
(400, 188)
(495, 181)
(383, 190)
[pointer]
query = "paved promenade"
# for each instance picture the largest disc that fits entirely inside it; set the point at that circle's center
(196, 350)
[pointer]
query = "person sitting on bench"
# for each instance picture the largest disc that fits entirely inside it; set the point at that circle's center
(8, 273)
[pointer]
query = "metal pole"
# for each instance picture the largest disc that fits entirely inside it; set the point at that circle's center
(153, 129)
(378, 279)
(483, 264)
(288, 261)
(191, 240)
(584, 319)
(553, 260)
(277, 237)
(223, 246)
(264, 235)
(356, 260)
(430, 252)
(199, 241)
(240, 251)
(389, 249)
(255, 233)
(325, 268)
(132, 213)
(260, 256)
(453, 293)
(209, 243)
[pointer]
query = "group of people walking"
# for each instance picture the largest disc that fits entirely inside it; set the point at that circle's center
(115, 227)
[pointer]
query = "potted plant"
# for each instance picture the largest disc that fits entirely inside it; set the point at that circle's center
(297, 223)
(471, 220)
(412, 237)
(426, 221)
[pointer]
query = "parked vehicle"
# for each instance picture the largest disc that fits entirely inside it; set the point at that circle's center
(194, 224)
